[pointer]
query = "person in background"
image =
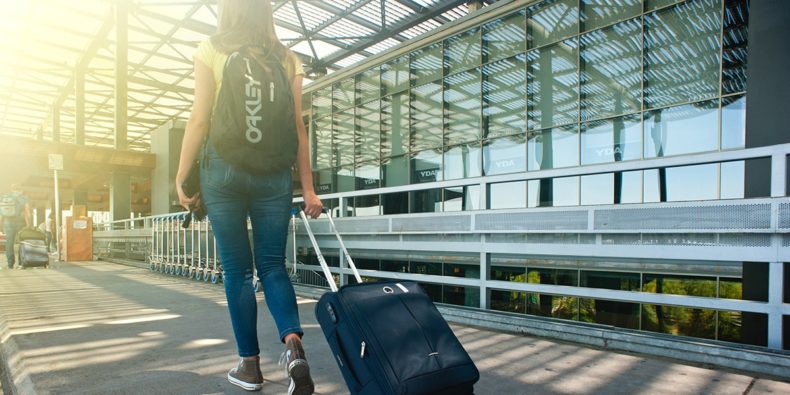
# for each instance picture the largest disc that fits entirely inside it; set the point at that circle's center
(14, 215)
(48, 227)
(233, 195)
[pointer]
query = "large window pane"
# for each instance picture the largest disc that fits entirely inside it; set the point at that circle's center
(611, 82)
(369, 85)
(368, 175)
(395, 75)
(551, 21)
(345, 178)
(396, 171)
(608, 312)
(619, 281)
(368, 119)
(679, 285)
(681, 183)
(462, 97)
(732, 180)
(395, 125)
(681, 321)
(733, 122)
(428, 201)
(462, 161)
(426, 117)
(505, 155)
(462, 198)
(682, 130)
(322, 102)
(505, 97)
(597, 189)
(505, 37)
(324, 181)
(366, 206)
(552, 85)
(395, 203)
(553, 148)
(507, 195)
(513, 302)
(463, 51)
(540, 275)
(598, 13)
(555, 192)
(426, 166)
(343, 94)
(555, 306)
(426, 64)
(611, 140)
(735, 50)
(343, 136)
(682, 58)
(322, 143)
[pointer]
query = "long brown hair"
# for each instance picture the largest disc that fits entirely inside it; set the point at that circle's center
(247, 23)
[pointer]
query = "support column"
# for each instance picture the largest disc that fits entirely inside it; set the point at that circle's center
(79, 103)
(775, 295)
(56, 124)
(166, 145)
(120, 196)
(121, 71)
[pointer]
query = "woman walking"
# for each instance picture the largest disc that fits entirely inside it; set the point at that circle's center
(233, 190)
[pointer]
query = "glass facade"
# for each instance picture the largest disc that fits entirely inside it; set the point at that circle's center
(558, 84)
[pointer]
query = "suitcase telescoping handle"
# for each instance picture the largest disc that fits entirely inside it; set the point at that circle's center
(321, 260)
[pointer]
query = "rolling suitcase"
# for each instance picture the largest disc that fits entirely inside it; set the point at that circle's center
(388, 338)
(33, 253)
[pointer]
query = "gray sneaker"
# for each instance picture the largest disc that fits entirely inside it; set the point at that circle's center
(297, 369)
(247, 375)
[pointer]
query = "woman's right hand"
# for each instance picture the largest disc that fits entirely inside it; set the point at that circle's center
(186, 201)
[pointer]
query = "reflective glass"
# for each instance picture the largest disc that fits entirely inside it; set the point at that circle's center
(620, 281)
(463, 51)
(733, 122)
(730, 288)
(395, 125)
(395, 75)
(730, 324)
(366, 206)
(427, 201)
(322, 102)
(462, 198)
(426, 64)
(507, 195)
(395, 203)
(598, 13)
(430, 268)
(508, 273)
(426, 117)
(368, 175)
(735, 46)
(396, 171)
(505, 97)
(395, 266)
(368, 131)
(682, 130)
(555, 306)
(462, 100)
(462, 161)
(607, 312)
(554, 192)
(539, 275)
(681, 183)
(679, 285)
(681, 321)
(653, 4)
(509, 301)
(553, 148)
(611, 140)
(597, 189)
(611, 71)
(343, 136)
(367, 264)
(426, 166)
(322, 143)
(343, 94)
(551, 21)
(505, 155)
(552, 85)
(345, 178)
(682, 58)
(733, 180)
(461, 296)
(505, 37)
(369, 85)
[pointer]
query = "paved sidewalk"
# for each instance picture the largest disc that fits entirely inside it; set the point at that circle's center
(103, 328)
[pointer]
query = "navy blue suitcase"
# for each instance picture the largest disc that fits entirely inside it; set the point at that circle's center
(388, 338)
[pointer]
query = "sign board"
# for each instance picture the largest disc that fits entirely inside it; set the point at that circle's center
(55, 162)
(80, 224)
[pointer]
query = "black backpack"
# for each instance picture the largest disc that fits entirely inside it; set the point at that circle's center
(253, 126)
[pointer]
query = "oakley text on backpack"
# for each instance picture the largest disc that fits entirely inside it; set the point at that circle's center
(253, 126)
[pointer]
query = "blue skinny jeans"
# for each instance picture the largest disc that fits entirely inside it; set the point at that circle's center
(231, 197)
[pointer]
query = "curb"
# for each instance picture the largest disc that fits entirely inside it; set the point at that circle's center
(13, 372)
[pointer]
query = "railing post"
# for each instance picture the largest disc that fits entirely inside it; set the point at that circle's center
(778, 174)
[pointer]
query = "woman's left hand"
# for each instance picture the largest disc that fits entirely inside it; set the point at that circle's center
(312, 205)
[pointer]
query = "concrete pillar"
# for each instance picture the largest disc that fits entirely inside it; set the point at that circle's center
(79, 106)
(121, 74)
(166, 145)
(120, 196)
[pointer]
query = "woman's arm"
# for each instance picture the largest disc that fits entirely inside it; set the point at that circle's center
(312, 204)
(196, 129)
